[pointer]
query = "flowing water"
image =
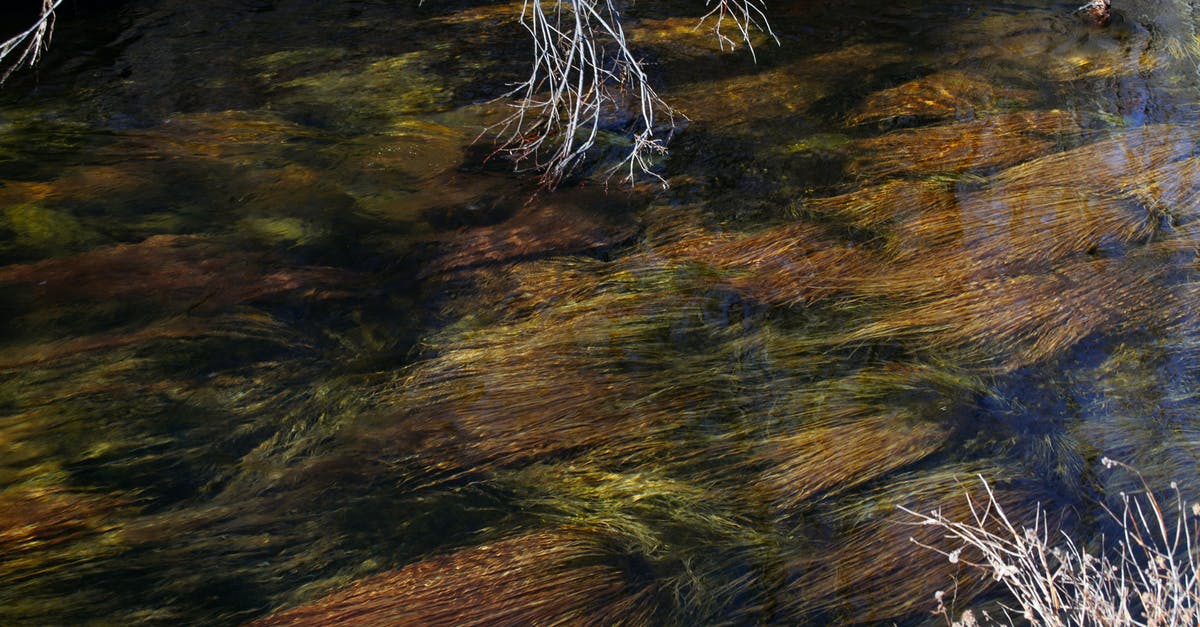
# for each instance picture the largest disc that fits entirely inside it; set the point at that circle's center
(280, 343)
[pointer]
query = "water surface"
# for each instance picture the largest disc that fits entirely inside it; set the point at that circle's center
(280, 342)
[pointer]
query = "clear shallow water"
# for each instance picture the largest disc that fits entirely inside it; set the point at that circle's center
(277, 339)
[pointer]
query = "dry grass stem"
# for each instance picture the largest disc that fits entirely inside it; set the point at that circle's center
(1151, 578)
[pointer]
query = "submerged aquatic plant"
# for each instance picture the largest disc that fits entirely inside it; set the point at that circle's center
(1152, 577)
(986, 143)
(545, 577)
(867, 575)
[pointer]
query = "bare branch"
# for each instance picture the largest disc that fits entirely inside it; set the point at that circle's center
(30, 43)
(746, 15)
(583, 75)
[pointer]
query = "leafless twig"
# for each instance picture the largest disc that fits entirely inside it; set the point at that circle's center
(31, 42)
(746, 15)
(583, 74)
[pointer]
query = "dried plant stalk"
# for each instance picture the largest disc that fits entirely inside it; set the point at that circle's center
(1154, 578)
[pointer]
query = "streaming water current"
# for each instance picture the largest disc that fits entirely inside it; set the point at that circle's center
(281, 340)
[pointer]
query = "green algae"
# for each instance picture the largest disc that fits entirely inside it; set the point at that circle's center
(39, 230)
(292, 231)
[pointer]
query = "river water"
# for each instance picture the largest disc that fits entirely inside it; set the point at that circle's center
(281, 343)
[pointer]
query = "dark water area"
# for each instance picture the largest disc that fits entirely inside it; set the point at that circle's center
(279, 341)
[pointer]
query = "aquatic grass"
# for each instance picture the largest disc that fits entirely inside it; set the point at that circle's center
(993, 226)
(867, 574)
(621, 361)
(1007, 322)
(985, 144)
(1046, 224)
(544, 577)
(368, 94)
(876, 208)
(992, 232)
(790, 265)
(1150, 577)
(52, 534)
(1171, 190)
(234, 137)
(629, 504)
(540, 230)
(947, 94)
(1109, 165)
(579, 376)
(770, 93)
(1141, 404)
(868, 442)
(1071, 51)
(37, 231)
(729, 104)
(674, 37)
(80, 184)
(199, 273)
(40, 518)
(231, 327)
(701, 540)
(130, 451)
(836, 434)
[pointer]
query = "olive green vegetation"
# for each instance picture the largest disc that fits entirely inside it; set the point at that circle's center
(361, 378)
